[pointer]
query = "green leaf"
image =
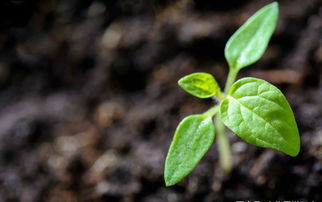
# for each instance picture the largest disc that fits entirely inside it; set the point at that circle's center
(259, 113)
(201, 85)
(249, 42)
(192, 139)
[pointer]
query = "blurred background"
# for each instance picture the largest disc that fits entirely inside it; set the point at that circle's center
(89, 99)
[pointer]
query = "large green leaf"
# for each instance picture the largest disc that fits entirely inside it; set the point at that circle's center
(249, 42)
(192, 139)
(201, 85)
(259, 113)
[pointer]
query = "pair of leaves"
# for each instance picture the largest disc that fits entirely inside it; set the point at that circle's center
(255, 110)
(244, 48)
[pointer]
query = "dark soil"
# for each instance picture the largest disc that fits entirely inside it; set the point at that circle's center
(89, 99)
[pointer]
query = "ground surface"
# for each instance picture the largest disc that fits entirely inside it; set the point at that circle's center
(89, 100)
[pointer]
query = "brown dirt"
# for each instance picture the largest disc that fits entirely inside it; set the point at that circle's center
(89, 99)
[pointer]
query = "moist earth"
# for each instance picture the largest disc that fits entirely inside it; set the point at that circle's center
(89, 99)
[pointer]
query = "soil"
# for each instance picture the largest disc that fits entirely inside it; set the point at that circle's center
(89, 99)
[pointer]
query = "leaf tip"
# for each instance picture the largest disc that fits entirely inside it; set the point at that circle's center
(274, 4)
(273, 8)
(169, 181)
(295, 151)
(295, 145)
(180, 81)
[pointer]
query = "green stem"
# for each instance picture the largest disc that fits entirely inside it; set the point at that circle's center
(212, 111)
(225, 158)
(230, 79)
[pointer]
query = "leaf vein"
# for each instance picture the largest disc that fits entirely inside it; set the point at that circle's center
(249, 96)
(234, 99)
(252, 134)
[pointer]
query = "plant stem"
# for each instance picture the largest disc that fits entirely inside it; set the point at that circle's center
(212, 111)
(225, 158)
(230, 79)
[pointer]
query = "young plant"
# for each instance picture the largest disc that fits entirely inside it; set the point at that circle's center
(252, 108)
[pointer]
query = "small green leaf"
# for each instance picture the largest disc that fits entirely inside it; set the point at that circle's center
(259, 113)
(249, 42)
(201, 85)
(192, 139)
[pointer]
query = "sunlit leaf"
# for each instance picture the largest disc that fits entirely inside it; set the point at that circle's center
(249, 42)
(192, 139)
(259, 113)
(201, 85)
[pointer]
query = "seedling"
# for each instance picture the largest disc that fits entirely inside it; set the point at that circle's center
(252, 108)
